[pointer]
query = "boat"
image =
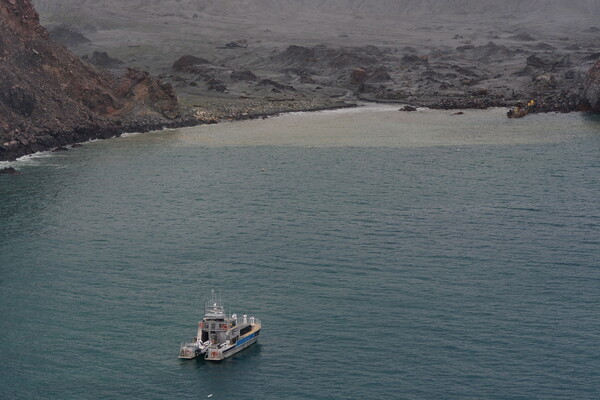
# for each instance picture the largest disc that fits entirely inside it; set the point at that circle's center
(220, 336)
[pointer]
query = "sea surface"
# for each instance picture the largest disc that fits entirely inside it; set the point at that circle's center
(389, 255)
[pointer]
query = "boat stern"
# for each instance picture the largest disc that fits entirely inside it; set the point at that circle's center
(189, 351)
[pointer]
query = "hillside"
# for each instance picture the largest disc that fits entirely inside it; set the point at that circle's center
(49, 97)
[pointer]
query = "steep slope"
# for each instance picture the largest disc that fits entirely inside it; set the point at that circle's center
(49, 97)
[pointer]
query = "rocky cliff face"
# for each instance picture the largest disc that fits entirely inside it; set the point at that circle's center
(49, 97)
(591, 92)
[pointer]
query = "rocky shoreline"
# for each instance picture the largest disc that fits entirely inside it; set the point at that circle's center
(58, 140)
(238, 111)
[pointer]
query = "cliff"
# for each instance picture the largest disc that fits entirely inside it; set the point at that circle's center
(49, 97)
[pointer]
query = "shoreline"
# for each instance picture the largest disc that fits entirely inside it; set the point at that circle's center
(84, 134)
(81, 135)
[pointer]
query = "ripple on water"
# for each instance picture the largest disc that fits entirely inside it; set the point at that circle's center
(403, 255)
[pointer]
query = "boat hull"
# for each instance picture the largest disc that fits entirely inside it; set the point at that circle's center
(243, 343)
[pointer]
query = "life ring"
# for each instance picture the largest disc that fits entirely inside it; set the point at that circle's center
(214, 354)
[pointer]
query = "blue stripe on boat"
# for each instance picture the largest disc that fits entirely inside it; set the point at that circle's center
(244, 340)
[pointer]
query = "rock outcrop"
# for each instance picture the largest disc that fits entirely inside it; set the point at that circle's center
(103, 60)
(67, 35)
(591, 92)
(49, 97)
(189, 63)
(358, 76)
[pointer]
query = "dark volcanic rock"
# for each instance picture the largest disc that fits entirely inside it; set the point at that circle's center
(245, 75)
(408, 108)
(548, 61)
(188, 63)
(324, 58)
(465, 47)
(102, 59)
(67, 35)
(380, 74)
(591, 92)
(411, 58)
(491, 51)
(276, 85)
(9, 171)
(238, 44)
(297, 56)
(593, 56)
(216, 85)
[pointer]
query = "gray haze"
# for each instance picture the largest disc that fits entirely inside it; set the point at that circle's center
(416, 51)
(386, 8)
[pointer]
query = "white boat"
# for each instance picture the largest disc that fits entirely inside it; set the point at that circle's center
(220, 336)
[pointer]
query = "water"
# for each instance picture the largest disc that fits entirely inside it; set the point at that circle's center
(389, 255)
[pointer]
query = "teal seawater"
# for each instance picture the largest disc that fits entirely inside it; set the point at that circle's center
(407, 257)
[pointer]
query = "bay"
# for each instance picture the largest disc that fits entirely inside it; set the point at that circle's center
(388, 254)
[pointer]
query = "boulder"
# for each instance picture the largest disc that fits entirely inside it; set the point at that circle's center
(358, 76)
(9, 171)
(245, 75)
(408, 108)
(216, 85)
(188, 63)
(102, 59)
(544, 82)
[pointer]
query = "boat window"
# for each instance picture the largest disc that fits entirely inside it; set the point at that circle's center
(245, 330)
